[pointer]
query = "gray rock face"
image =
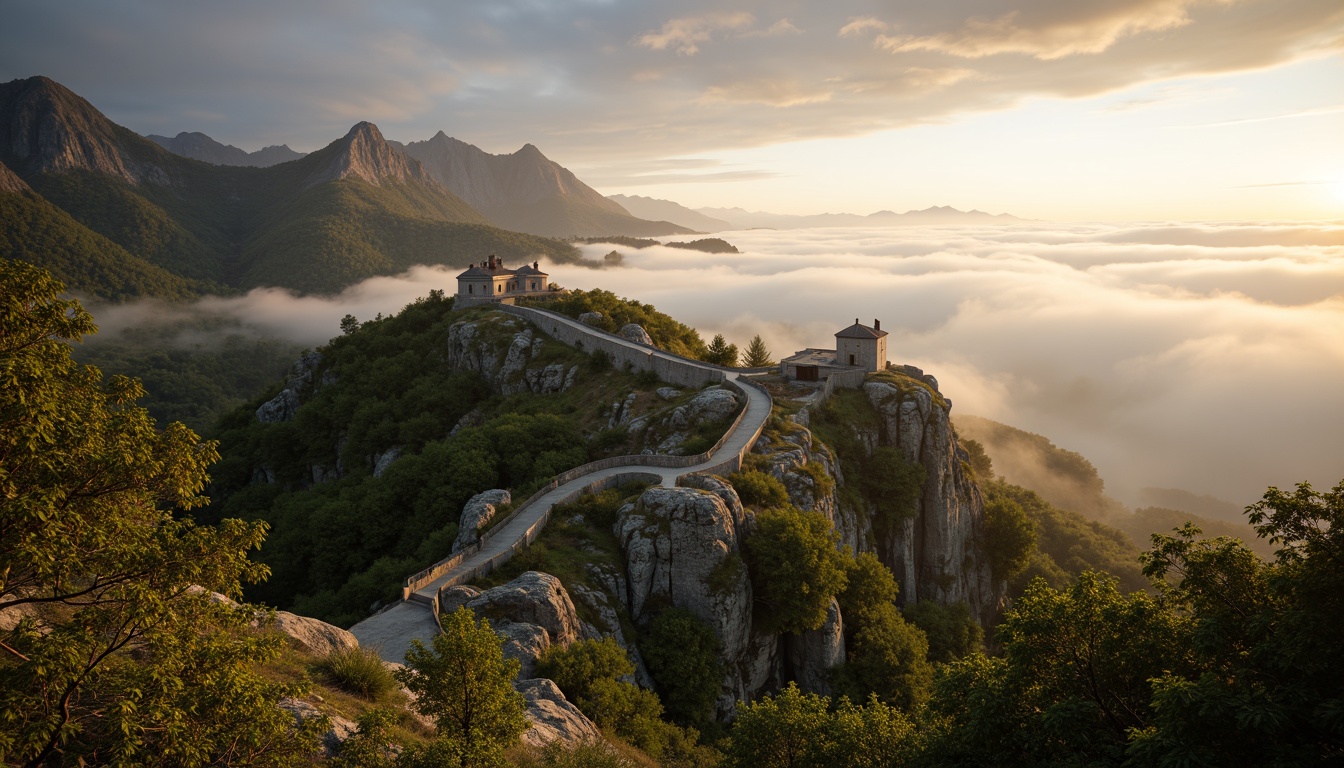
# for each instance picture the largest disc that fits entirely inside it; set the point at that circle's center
(532, 613)
(385, 460)
(591, 318)
(501, 352)
(339, 728)
(805, 492)
(668, 393)
(933, 554)
(681, 546)
(284, 405)
(636, 333)
(319, 637)
(552, 718)
(813, 653)
(477, 512)
(711, 404)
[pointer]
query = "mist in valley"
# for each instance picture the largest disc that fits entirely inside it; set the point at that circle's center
(1203, 358)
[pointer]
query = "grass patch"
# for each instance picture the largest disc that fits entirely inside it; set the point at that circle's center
(359, 671)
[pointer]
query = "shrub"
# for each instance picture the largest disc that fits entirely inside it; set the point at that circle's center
(682, 655)
(795, 567)
(758, 488)
(359, 671)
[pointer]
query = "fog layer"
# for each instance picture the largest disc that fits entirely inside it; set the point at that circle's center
(1208, 358)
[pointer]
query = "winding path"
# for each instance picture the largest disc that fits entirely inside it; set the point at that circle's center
(391, 631)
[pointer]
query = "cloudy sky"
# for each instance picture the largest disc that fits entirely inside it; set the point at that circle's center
(1063, 110)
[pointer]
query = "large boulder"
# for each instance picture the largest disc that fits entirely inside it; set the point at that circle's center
(476, 513)
(712, 404)
(636, 333)
(531, 613)
(551, 717)
(318, 637)
(284, 405)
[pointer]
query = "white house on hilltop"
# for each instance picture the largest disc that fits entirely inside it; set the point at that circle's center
(492, 282)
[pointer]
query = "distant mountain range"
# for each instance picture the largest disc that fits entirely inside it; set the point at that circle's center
(938, 215)
(721, 219)
(136, 219)
(653, 208)
(198, 146)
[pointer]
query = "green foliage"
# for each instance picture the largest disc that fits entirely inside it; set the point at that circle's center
(683, 656)
(665, 332)
(720, 352)
(117, 654)
(577, 666)
(892, 485)
(951, 630)
(627, 241)
(885, 656)
(758, 488)
(980, 462)
(802, 730)
(465, 685)
(1066, 543)
(1008, 538)
(1073, 683)
(359, 671)
(757, 355)
(795, 568)
(368, 746)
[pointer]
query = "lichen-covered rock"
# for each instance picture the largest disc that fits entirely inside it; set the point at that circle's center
(477, 512)
(933, 553)
(636, 333)
(711, 404)
(501, 351)
(317, 636)
(339, 728)
(814, 652)
(682, 548)
(591, 318)
(668, 393)
(551, 717)
(532, 612)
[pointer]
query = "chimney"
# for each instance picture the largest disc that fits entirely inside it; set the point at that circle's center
(877, 325)
(856, 321)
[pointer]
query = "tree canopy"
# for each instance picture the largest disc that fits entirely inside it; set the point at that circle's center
(115, 650)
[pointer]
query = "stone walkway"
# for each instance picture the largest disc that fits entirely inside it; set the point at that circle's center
(391, 631)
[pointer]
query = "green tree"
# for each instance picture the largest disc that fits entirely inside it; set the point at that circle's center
(683, 656)
(795, 567)
(580, 664)
(465, 685)
(1008, 539)
(952, 632)
(349, 324)
(720, 352)
(788, 730)
(758, 355)
(118, 653)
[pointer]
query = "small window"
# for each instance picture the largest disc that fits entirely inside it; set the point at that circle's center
(851, 359)
(469, 288)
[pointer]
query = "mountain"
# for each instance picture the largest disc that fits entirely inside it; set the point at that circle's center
(528, 192)
(355, 209)
(943, 215)
(653, 208)
(198, 146)
(39, 232)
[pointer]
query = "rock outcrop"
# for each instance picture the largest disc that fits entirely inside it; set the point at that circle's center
(532, 613)
(478, 511)
(318, 637)
(298, 385)
(501, 350)
(933, 553)
(338, 728)
(636, 333)
(551, 717)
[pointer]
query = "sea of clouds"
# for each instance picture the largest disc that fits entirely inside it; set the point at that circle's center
(1206, 357)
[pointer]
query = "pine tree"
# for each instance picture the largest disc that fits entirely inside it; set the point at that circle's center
(758, 356)
(720, 352)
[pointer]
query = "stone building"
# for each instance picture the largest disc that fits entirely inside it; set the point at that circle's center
(492, 282)
(859, 350)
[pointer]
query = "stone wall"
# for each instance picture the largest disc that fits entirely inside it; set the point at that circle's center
(668, 367)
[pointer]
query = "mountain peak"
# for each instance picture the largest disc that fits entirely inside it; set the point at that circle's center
(47, 128)
(364, 154)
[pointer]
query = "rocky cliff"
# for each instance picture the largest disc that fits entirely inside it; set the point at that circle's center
(199, 146)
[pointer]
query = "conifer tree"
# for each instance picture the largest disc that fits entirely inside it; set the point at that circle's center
(720, 352)
(758, 355)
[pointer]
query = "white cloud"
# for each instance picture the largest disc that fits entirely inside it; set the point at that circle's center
(684, 35)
